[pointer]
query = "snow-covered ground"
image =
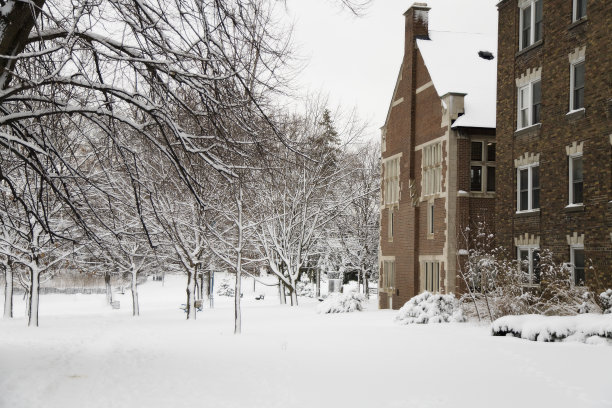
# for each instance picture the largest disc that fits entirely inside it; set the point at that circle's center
(86, 355)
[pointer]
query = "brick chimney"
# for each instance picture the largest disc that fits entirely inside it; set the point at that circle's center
(417, 27)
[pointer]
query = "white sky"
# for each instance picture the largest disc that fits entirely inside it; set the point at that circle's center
(355, 60)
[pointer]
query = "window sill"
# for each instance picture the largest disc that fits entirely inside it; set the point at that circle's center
(527, 213)
(529, 130)
(531, 47)
(430, 236)
(481, 194)
(574, 208)
(575, 114)
(578, 22)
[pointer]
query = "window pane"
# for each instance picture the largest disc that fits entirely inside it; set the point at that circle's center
(577, 180)
(491, 151)
(536, 265)
(526, 27)
(580, 9)
(523, 188)
(476, 178)
(579, 277)
(538, 20)
(524, 260)
(476, 151)
(535, 184)
(579, 86)
(537, 99)
(490, 178)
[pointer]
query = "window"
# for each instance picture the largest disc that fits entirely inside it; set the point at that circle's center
(529, 263)
(528, 188)
(530, 23)
(391, 180)
(430, 218)
(390, 225)
(575, 179)
(577, 86)
(430, 276)
(529, 104)
(579, 9)
(388, 275)
(577, 264)
(432, 169)
(482, 166)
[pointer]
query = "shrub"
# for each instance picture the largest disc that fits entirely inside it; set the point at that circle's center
(342, 303)
(226, 288)
(430, 308)
(605, 299)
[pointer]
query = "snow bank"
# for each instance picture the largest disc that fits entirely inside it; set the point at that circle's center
(587, 328)
(343, 303)
(430, 308)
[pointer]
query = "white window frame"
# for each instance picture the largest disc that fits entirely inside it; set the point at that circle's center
(529, 168)
(572, 261)
(391, 180)
(529, 108)
(484, 163)
(531, 249)
(575, 11)
(430, 275)
(387, 279)
(572, 72)
(522, 6)
(431, 166)
(571, 178)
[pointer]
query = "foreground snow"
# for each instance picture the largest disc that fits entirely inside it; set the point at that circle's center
(86, 355)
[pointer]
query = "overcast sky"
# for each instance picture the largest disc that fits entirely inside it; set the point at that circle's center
(355, 60)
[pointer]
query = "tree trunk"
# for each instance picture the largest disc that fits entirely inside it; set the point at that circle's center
(366, 285)
(292, 289)
(205, 288)
(211, 292)
(34, 297)
(281, 292)
(318, 283)
(109, 291)
(135, 306)
(8, 293)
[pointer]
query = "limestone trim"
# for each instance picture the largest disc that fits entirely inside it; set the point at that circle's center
(527, 159)
(575, 149)
(577, 55)
(575, 239)
(611, 138)
(397, 102)
(431, 142)
(529, 76)
(438, 258)
(424, 87)
(527, 240)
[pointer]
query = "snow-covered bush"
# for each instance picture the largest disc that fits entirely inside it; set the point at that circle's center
(496, 286)
(430, 308)
(605, 299)
(226, 288)
(343, 303)
(305, 288)
(587, 328)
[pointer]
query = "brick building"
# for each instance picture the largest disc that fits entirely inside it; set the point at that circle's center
(554, 134)
(438, 147)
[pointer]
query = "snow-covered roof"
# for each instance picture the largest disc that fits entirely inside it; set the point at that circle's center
(458, 30)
